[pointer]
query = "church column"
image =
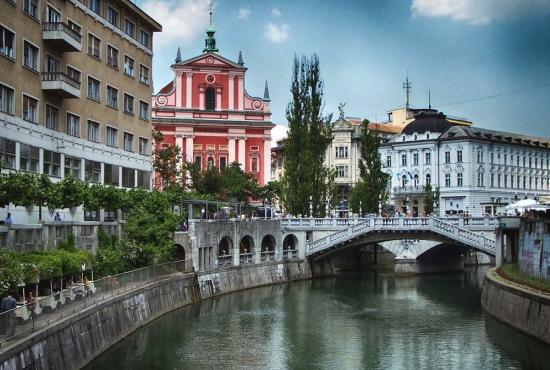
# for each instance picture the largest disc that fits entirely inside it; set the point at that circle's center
(242, 153)
(218, 98)
(267, 160)
(231, 150)
(188, 90)
(241, 92)
(189, 149)
(201, 98)
(231, 92)
(179, 143)
(178, 88)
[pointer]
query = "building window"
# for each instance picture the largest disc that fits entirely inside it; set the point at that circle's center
(143, 74)
(111, 136)
(447, 179)
(52, 64)
(459, 156)
(7, 42)
(128, 104)
(94, 46)
(129, 28)
(415, 159)
(144, 179)
(73, 125)
(210, 98)
(415, 180)
(52, 15)
(505, 159)
(29, 158)
(95, 6)
(72, 167)
(144, 38)
(428, 179)
(93, 89)
(480, 156)
(388, 161)
(6, 99)
(143, 146)
(75, 27)
(112, 56)
(111, 175)
(254, 164)
(223, 163)
(404, 181)
(30, 109)
(112, 97)
(492, 158)
(92, 172)
(341, 171)
(403, 159)
(341, 152)
(112, 16)
(517, 160)
(73, 73)
(480, 179)
(198, 162)
(93, 131)
(52, 163)
(52, 117)
(505, 181)
(498, 180)
(30, 56)
(459, 180)
(128, 142)
(129, 66)
(128, 177)
(143, 110)
(31, 8)
(447, 157)
(7, 153)
(512, 181)
(428, 157)
(492, 180)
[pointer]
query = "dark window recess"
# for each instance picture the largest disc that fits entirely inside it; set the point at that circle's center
(210, 100)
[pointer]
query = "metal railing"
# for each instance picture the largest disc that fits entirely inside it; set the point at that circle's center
(267, 256)
(412, 189)
(60, 76)
(60, 26)
(28, 317)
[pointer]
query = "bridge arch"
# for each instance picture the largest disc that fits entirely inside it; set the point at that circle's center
(179, 252)
(290, 247)
(225, 248)
(267, 248)
(246, 249)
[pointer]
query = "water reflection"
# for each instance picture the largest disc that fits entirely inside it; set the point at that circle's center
(370, 320)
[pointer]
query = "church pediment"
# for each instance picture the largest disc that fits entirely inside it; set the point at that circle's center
(210, 60)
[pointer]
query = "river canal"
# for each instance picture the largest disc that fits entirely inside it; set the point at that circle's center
(363, 321)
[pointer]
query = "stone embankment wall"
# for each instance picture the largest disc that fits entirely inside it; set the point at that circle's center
(78, 338)
(524, 310)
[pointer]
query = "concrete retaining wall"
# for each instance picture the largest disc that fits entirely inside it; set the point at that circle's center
(521, 309)
(77, 339)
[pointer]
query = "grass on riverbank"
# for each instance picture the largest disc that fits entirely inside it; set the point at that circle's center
(511, 272)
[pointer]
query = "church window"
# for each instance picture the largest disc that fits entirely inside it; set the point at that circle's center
(210, 98)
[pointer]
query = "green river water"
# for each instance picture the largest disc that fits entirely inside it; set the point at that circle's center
(361, 321)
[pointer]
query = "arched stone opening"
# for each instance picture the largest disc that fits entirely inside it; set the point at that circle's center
(224, 251)
(290, 247)
(268, 248)
(246, 249)
(179, 252)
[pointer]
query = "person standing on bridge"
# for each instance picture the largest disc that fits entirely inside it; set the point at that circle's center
(7, 307)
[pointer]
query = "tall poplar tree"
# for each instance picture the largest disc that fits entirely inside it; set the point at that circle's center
(309, 134)
(373, 186)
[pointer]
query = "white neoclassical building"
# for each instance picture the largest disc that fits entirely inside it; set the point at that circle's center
(478, 171)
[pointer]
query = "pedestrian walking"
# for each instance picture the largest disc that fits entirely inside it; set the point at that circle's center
(7, 307)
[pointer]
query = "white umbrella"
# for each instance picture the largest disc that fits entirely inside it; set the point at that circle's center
(522, 204)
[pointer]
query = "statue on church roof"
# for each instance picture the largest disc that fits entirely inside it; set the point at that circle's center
(341, 110)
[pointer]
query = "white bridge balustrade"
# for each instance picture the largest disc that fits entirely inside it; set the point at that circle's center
(460, 232)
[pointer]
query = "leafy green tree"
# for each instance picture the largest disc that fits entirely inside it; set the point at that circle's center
(11, 272)
(309, 135)
(237, 184)
(167, 163)
(373, 186)
(431, 197)
(67, 193)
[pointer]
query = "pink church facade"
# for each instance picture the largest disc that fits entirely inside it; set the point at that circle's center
(208, 113)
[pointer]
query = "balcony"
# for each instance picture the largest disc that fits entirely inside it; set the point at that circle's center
(408, 190)
(60, 84)
(62, 36)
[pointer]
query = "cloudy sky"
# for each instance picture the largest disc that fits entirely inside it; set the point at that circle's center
(487, 60)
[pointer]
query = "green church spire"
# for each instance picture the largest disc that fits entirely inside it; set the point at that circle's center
(210, 41)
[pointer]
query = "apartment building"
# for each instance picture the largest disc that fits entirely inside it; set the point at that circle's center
(75, 92)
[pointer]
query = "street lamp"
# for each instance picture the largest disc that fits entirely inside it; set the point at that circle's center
(379, 205)
(326, 206)
(360, 208)
(83, 267)
(311, 206)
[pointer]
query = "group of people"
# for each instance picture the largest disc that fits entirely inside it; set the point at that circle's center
(9, 218)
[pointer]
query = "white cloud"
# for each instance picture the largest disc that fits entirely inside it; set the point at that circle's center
(182, 20)
(276, 32)
(275, 12)
(278, 132)
(243, 13)
(477, 12)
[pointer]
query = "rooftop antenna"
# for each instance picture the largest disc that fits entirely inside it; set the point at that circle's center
(429, 99)
(407, 86)
(210, 12)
